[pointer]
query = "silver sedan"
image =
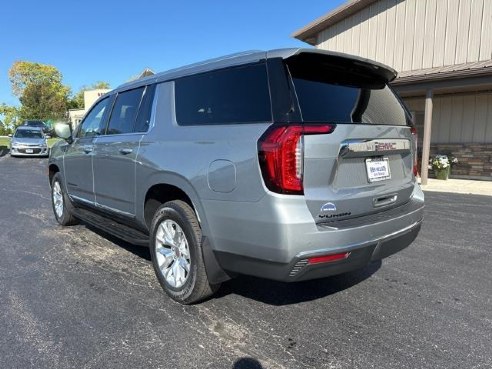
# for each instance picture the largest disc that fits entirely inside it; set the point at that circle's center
(29, 141)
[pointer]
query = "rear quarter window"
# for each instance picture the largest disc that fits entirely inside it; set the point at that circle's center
(227, 96)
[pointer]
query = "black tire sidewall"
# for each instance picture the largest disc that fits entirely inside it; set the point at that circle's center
(175, 213)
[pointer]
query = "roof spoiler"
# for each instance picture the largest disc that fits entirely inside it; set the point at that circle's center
(376, 69)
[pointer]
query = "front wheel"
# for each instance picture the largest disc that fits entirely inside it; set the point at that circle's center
(60, 202)
(175, 248)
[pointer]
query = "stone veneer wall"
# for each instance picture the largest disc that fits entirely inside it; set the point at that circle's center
(474, 159)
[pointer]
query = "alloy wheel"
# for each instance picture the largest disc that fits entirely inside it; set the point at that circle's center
(172, 253)
(58, 199)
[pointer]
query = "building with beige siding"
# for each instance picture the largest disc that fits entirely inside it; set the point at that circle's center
(442, 50)
(90, 96)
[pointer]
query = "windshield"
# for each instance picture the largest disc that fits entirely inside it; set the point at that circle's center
(28, 133)
(336, 92)
(34, 123)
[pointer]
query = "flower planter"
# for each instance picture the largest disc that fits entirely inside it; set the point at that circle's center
(442, 173)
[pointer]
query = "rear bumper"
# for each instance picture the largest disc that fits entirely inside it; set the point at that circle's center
(299, 268)
(275, 237)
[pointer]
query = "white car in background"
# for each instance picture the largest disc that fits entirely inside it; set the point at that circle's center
(29, 141)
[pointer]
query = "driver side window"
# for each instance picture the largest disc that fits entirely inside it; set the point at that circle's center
(93, 124)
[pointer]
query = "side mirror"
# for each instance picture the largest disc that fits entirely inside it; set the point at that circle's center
(10, 135)
(64, 130)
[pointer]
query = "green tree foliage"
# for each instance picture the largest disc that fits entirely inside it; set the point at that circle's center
(24, 73)
(40, 90)
(44, 100)
(9, 118)
(77, 101)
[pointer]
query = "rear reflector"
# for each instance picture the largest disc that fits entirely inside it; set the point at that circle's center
(328, 258)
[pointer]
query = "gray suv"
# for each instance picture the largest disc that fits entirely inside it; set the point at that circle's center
(290, 164)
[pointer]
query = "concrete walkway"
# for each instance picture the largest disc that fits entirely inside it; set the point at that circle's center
(464, 186)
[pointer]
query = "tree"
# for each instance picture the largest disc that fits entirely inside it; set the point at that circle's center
(77, 101)
(23, 73)
(40, 90)
(44, 100)
(10, 118)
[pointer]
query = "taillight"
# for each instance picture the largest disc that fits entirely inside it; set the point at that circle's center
(413, 130)
(281, 155)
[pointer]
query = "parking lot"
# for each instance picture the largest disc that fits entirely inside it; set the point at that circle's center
(77, 298)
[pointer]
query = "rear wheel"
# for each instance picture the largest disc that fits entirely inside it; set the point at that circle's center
(175, 247)
(61, 204)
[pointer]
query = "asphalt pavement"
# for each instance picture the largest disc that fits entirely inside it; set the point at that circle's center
(76, 298)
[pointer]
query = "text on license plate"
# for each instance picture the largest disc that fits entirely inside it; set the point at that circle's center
(28, 151)
(378, 169)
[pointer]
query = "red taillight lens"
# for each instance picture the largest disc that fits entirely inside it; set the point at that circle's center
(415, 160)
(328, 258)
(280, 151)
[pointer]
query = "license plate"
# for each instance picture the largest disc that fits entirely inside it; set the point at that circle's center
(29, 151)
(378, 169)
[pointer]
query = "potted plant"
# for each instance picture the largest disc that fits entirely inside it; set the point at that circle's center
(441, 166)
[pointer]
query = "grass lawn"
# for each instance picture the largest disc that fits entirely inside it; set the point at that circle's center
(52, 141)
(5, 141)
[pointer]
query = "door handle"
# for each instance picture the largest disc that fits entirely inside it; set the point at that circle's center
(88, 149)
(126, 151)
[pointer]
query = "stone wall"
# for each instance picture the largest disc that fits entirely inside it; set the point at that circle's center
(474, 160)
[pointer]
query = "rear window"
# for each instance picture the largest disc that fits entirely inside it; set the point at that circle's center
(344, 93)
(227, 96)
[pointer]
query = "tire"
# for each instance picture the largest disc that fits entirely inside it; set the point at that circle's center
(62, 207)
(176, 252)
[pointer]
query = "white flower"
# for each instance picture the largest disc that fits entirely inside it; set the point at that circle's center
(440, 162)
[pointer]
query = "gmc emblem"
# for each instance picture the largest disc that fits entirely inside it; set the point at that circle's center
(385, 146)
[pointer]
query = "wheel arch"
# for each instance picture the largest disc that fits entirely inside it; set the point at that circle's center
(52, 170)
(159, 194)
(165, 187)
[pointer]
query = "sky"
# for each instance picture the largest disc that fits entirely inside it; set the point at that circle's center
(90, 41)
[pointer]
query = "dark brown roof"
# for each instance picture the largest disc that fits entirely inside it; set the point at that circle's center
(447, 72)
(308, 33)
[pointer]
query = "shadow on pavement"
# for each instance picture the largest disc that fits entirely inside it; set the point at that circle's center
(139, 251)
(247, 363)
(279, 293)
(4, 150)
(268, 291)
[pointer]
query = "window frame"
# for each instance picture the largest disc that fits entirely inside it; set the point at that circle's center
(148, 96)
(148, 93)
(104, 119)
(115, 98)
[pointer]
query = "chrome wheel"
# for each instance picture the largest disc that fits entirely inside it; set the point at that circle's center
(172, 253)
(58, 199)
